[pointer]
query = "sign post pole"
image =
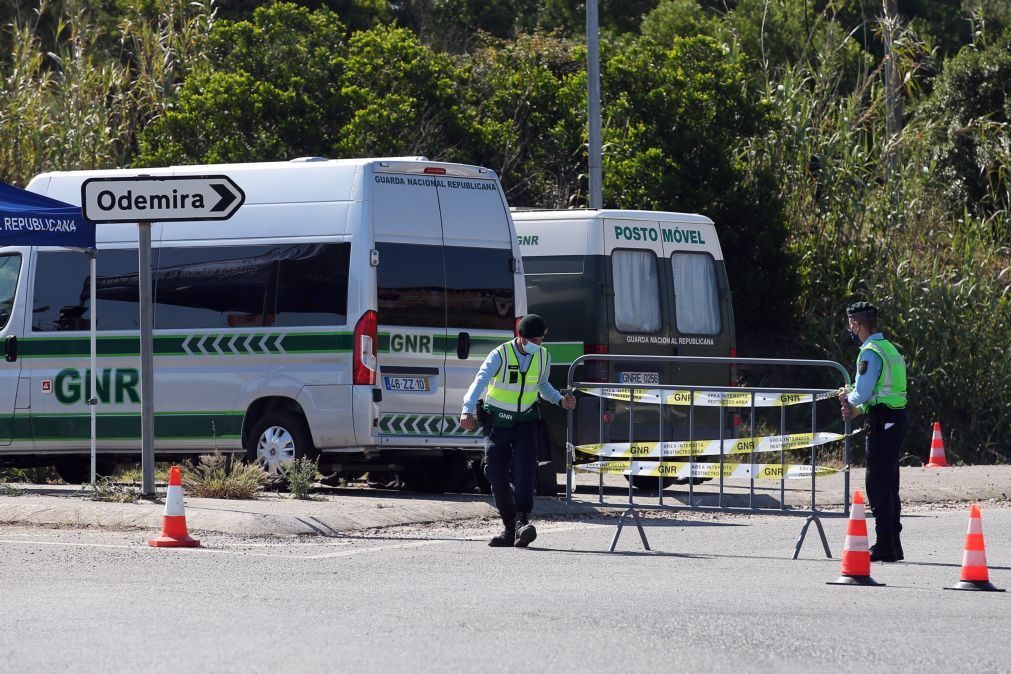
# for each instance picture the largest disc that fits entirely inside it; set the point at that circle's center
(146, 359)
(145, 199)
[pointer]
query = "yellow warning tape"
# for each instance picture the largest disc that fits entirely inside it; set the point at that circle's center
(769, 443)
(762, 471)
(706, 398)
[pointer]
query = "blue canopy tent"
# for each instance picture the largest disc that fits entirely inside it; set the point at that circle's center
(29, 219)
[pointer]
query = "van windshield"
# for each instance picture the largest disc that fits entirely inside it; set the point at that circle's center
(696, 296)
(10, 270)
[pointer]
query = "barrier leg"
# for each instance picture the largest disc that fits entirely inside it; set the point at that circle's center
(621, 523)
(821, 532)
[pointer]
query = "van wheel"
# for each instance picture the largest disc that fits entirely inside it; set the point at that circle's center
(547, 480)
(276, 440)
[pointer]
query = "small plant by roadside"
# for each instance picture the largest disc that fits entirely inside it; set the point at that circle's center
(30, 475)
(301, 475)
(216, 477)
(133, 472)
(9, 490)
(109, 491)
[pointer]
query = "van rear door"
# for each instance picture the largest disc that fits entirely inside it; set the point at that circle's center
(445, 246)
(640, 316)
(482, 279)
(701, 326)
(411, 293)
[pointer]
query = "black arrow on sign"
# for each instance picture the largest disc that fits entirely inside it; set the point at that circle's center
(227, 197)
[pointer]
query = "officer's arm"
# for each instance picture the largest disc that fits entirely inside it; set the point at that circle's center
(867, 377)
(549, 392)
(484, 376)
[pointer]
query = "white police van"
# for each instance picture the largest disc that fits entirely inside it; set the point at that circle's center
(627, 282)
(342, 311)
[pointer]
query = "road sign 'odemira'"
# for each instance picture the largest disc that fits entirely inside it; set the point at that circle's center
(160, 198)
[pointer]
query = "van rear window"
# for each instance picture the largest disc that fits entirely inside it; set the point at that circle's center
(696, 294)
(436, 286)
(636, 291)
(479, 288)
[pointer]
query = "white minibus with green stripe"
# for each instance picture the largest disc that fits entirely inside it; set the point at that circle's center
(626, 282)
(341, 312)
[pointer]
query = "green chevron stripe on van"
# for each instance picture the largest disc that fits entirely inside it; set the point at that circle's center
(422, 424)
(192, 344)
(167, 425)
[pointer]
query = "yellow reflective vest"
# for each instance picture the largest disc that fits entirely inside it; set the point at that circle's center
(512, 394)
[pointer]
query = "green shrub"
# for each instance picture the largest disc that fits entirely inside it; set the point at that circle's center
(216, 477)
(9, 490)
(301, 475)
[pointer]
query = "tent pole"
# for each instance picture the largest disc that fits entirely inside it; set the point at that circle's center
(93, 398)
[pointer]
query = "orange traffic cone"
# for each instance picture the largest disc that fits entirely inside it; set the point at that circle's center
(173, 528)
(975, 575)
(937, 459)
(856, 556)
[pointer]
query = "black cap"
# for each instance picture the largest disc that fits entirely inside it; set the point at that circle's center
(532, 326)
(861, 308)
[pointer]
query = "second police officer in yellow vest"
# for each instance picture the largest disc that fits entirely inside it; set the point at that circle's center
(516, 375)
(879, 393)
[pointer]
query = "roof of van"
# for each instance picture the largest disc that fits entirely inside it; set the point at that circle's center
(304, 180)
(612, 213)
(303, 163)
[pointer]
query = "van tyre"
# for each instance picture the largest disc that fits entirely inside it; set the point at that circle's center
(276, 440)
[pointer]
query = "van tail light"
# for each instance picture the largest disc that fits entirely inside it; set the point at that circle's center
(364, 345)
(516, 326)
(595, 370)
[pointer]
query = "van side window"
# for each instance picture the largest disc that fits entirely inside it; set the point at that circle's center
(312, 285)
(197, 288)
(252, 286)
(636, 291)
(412, 285)
(62, 297)
(696, 295)
(479, 288)
(10, 270)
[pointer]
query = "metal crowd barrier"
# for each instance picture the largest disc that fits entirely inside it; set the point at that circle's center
(723, 397)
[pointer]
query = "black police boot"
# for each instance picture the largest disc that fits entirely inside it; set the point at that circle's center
(897, 546)
(525, 532)
(507, 538)
(883, 553)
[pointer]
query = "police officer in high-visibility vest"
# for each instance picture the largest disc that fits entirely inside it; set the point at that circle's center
(515, 374)
(879, 393)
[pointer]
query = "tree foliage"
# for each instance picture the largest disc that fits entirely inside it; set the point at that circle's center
(767, 115)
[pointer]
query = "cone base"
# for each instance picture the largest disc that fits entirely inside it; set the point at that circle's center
(855, 580)
(937, 465)
(979, 585)
(171, 542)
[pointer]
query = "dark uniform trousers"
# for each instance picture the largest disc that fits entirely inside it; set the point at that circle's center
(883, 445)
(511, 466)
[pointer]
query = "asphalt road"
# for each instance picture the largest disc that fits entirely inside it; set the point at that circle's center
(718, 593)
